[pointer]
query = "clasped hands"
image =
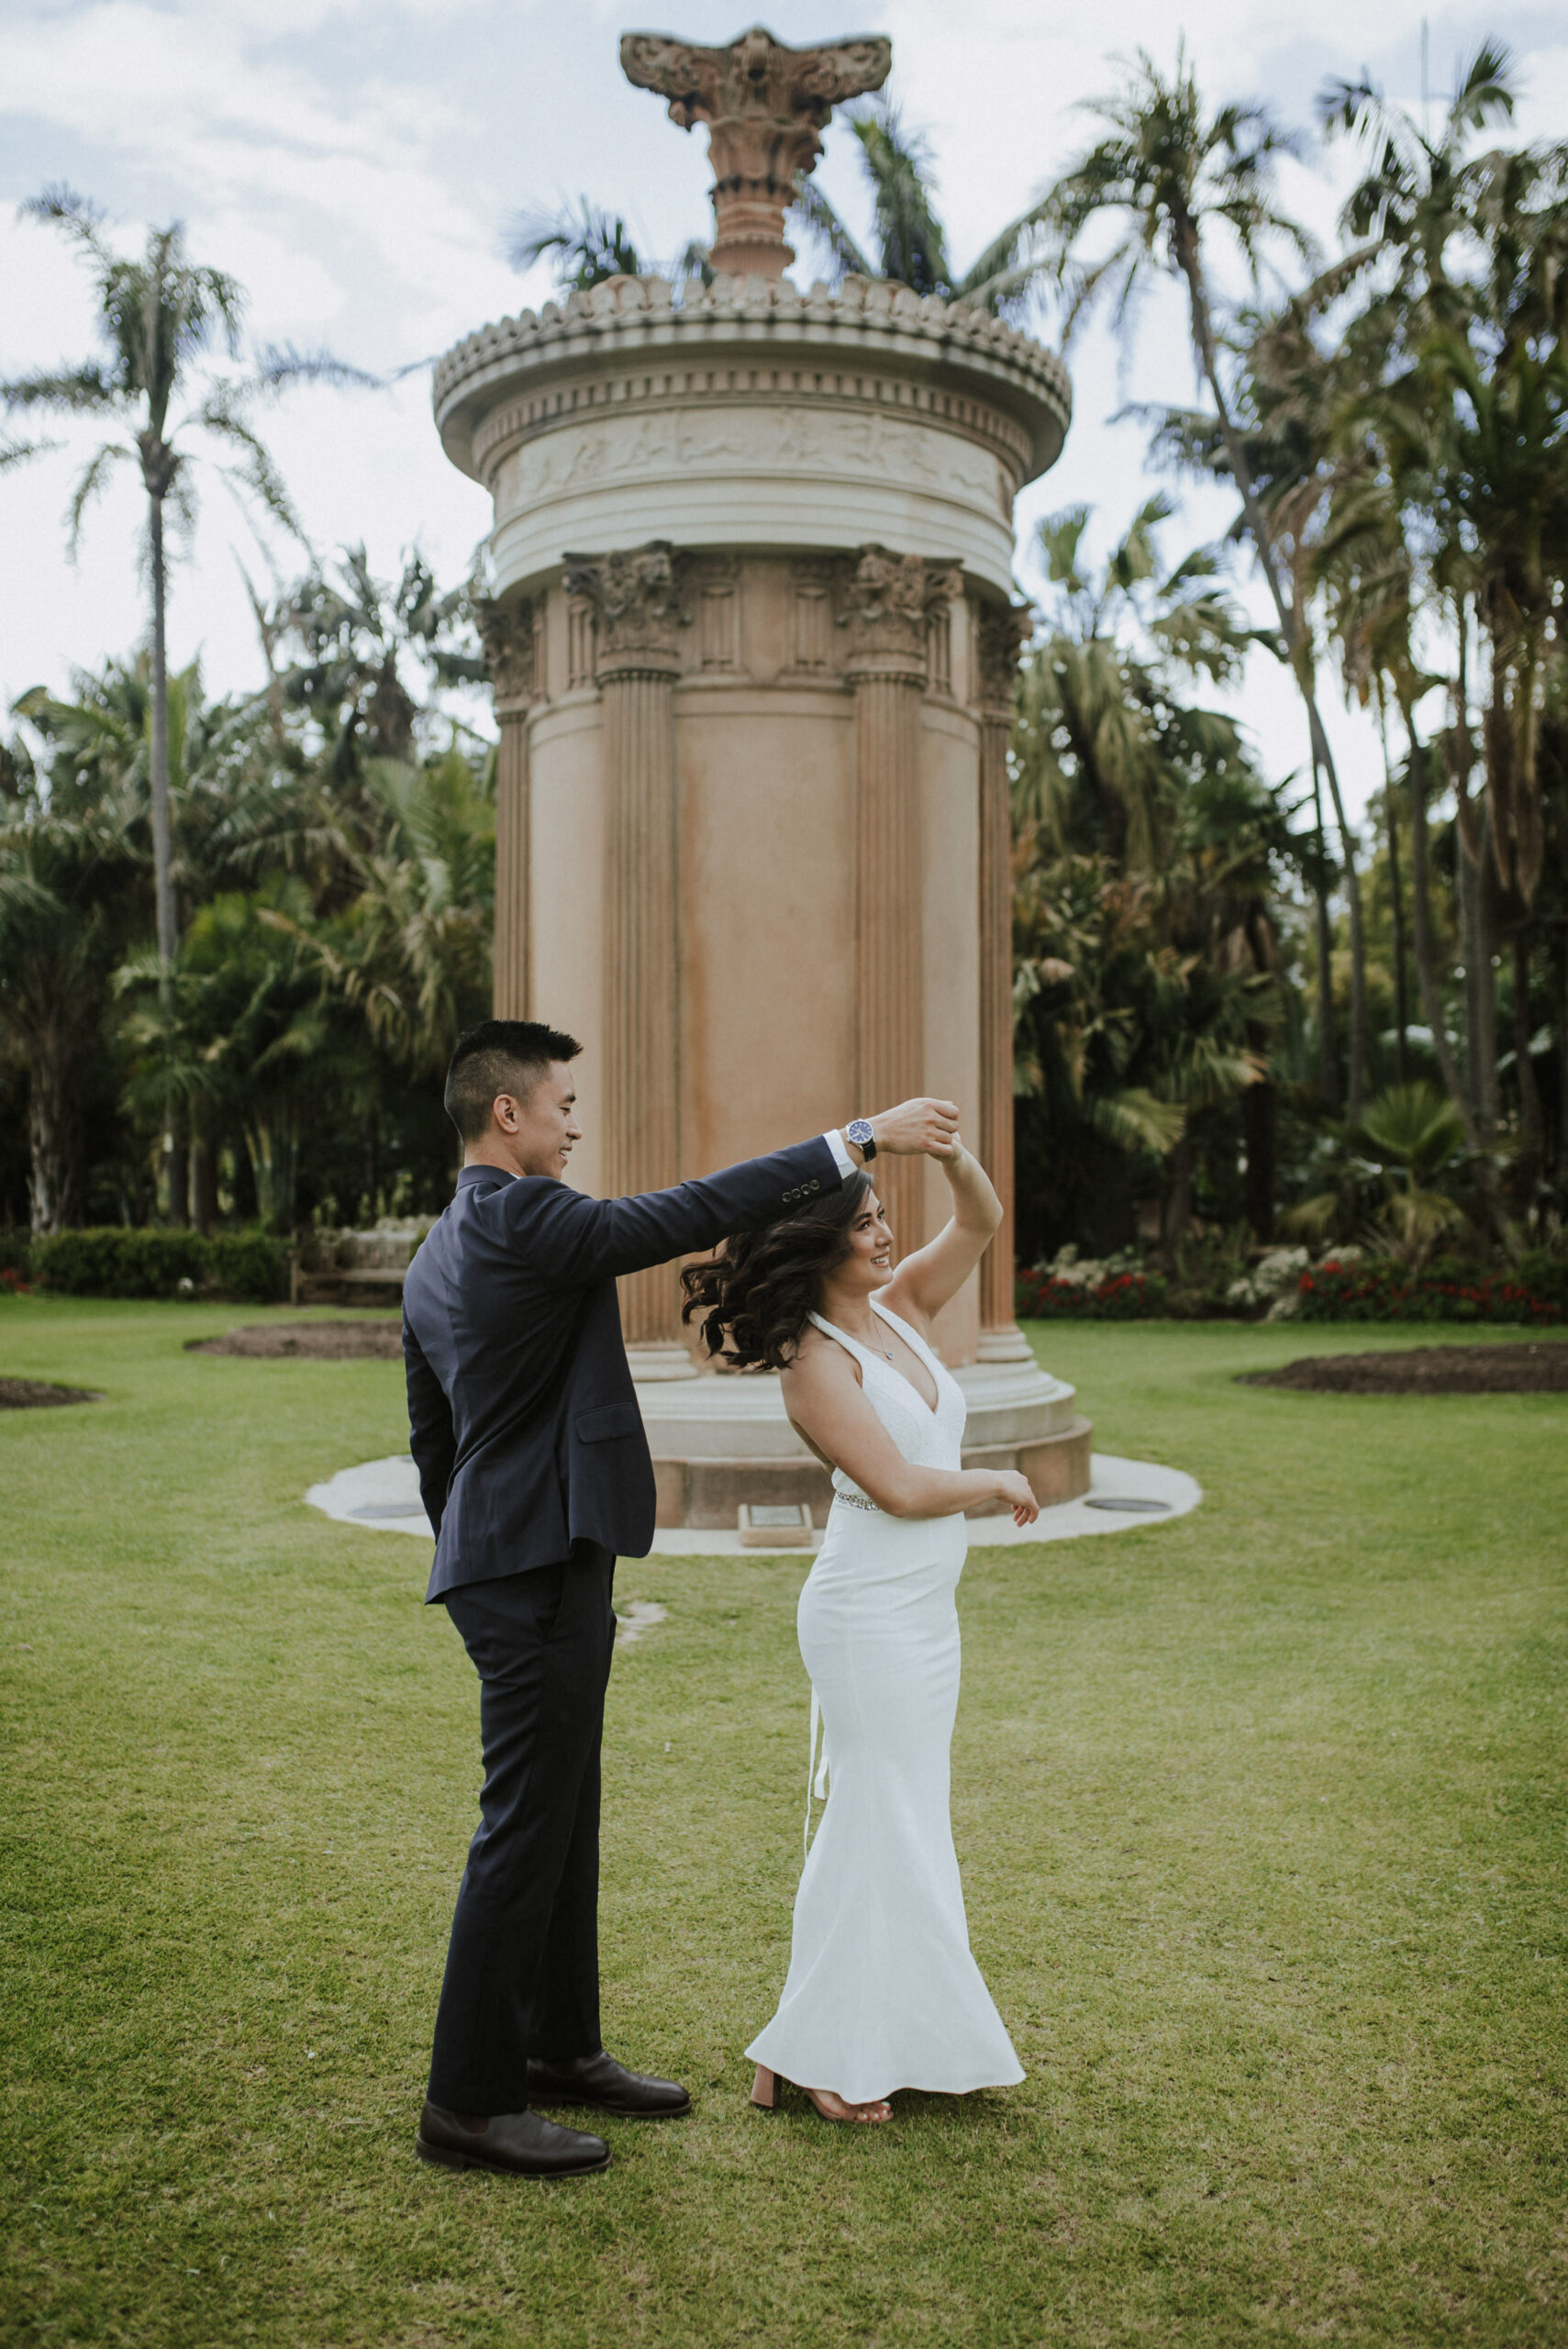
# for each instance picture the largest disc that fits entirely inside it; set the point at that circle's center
(920, 1129)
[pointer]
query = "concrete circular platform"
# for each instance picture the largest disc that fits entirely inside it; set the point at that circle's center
(383, 1496)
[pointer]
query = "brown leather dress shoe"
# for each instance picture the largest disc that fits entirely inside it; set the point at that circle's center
(523, 2144)
(600, 2080)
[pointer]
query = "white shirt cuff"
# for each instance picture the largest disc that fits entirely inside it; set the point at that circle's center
(841, 1159)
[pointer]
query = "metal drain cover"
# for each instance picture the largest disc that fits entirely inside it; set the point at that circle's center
(1128, 1505)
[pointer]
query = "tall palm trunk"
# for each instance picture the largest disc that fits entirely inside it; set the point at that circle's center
(1298, 642)
(1532, 1129)
(1397, 902)
(1431, 995)
(1260, 1121)
(174, 1151)
(51, 1156)
(1327, 1055)
(1562, 976)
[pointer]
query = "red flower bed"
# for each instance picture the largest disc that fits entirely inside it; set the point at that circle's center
(1043, 1296)
(1380, 1291)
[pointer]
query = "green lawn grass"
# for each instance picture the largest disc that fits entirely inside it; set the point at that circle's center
(1261, 1813)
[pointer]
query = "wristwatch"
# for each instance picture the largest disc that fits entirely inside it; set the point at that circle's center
(859, 1131)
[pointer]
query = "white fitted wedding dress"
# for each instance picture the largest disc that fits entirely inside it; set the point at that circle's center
(882, 1992)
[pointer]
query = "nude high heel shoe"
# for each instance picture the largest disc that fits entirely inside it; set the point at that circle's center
(767, 2095)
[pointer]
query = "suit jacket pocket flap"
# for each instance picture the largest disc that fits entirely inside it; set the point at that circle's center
(607, 1420)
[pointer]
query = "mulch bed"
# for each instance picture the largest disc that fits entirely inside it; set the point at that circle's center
(310, 1341)
(32, 1395)
(1426, 1370)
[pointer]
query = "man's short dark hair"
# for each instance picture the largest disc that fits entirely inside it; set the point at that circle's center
(500, 1056)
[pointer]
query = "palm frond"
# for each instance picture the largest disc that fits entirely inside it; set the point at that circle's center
(69, 391)
(813, 215)
(1135, 1120)
(279, 365)
(94, 479)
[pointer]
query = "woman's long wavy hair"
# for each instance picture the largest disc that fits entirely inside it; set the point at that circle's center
(759, 1289)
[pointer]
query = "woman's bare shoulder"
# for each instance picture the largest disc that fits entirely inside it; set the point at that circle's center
(816, 1356)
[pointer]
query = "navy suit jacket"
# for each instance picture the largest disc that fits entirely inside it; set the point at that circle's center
(523, 1420)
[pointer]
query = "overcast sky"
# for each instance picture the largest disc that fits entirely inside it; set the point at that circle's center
(355, 166)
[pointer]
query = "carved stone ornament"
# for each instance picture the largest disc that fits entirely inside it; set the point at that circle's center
(1002, 630)
(766, 107)
(507, 632)
(885, 601)
(638, 604)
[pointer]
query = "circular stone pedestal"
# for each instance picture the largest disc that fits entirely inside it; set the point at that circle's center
(723, 1439)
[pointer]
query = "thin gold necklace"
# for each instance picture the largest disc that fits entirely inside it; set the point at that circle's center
(881, 1346)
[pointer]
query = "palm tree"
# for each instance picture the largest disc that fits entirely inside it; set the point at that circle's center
(68, 868)
(410, 954)
(1464, 424)
(591, 245)
(359, 643)
(1147, 960)
(1172, 175)
(158, 318)
(234, 1032)
(1105, 747)
(911, 242)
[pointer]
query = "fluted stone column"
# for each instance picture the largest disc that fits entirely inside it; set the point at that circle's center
(886, 601)
(507, 630)
(1000, 630)
(638, 608)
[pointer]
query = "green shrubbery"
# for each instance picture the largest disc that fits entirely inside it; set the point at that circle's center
(117, 1261)
(1045, 1294)
(1379, 1289)
(1284, 1284)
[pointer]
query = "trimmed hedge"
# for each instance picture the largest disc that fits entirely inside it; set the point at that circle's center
(116, 1261)
(1381, 1291)
(1044, 1295)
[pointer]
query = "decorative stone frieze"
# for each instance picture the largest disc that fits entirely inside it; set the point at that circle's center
(894, 418)
(955, 353)
(639, 605)
(766, 107)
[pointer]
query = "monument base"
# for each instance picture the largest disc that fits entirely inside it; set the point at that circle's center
(720, 1441)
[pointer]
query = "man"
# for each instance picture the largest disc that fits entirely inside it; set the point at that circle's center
(534, 1474)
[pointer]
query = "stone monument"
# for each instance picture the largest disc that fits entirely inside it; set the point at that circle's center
(751, 627)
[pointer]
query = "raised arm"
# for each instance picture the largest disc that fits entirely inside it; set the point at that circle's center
(926, 1281)
(823, 1397)
(577, 1241)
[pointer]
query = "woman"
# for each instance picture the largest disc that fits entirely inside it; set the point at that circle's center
(882, 1992)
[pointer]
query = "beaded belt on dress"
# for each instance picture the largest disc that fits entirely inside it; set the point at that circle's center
(857, 1501)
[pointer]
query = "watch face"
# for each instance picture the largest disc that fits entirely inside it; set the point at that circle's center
(859, 1131)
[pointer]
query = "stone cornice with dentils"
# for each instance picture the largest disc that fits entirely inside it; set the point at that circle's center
(638, 317)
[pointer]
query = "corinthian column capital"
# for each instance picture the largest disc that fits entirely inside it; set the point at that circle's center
(766, 105)
(885, 602)
(639, 608)
(1001, 633)
(507, 632)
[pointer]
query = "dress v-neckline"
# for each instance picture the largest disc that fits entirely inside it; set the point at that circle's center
(932, 1409)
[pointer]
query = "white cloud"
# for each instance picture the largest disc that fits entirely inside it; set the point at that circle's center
(353, 161)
